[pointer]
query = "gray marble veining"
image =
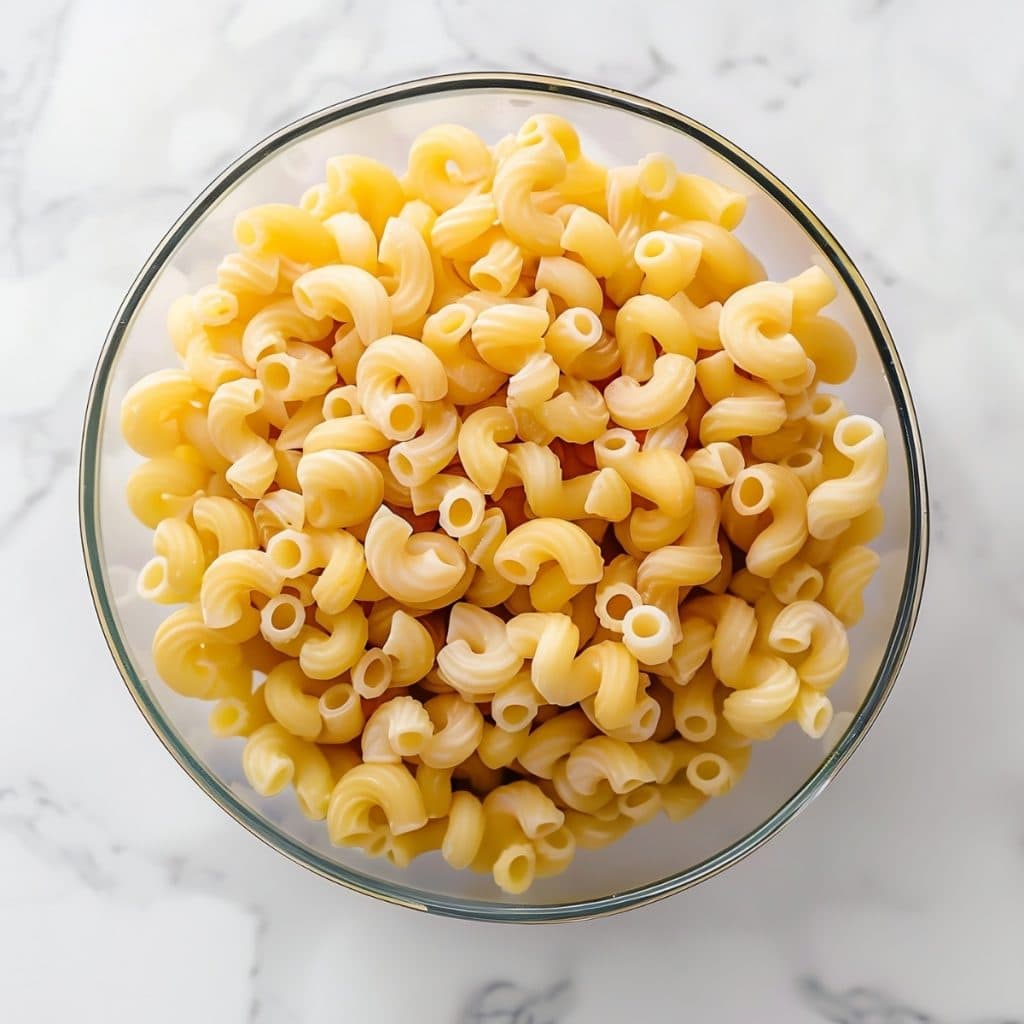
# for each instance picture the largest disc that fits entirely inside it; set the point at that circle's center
(899, 122)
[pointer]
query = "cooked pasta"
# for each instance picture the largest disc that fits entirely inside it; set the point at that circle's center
(500, 499)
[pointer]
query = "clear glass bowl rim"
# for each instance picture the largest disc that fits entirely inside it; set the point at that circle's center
(408, 896)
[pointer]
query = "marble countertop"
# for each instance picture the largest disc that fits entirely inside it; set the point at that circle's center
(126, 895)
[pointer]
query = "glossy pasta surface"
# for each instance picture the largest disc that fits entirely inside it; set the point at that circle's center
(501, 500)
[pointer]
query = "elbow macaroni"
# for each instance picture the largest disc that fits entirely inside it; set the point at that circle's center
(500, 500)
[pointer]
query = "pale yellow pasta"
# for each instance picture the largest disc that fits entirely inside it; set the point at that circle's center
(507, 335)
(403, 850)
(533, 384)
(577, 413)
(569, 282)
(460, 504)
(410, 648)
(152, 410)
(387, 789)
(270, 330)
(528, 547)
(415, 461)
(398, 729)
(656, 401)
(515, 868)
(327, 653)
(404, 253)
(660, 476)
(716, 465)
(412, 569)
(746, 585)
(239, 716)
(340, 402)
(796, 580)
(808, 465)
(609, 497)
(447, 334)
(592, 238)
(306, 417)
(280, 230)
(593, 833)
(294, 700)
(354, 433)
(554, 852)
(230, 580)
(282, 619)
(372, 673)
(515, 704)
(477, 657)
(616, 593)
(498, 270)
(771, 687)
(643, 321)
(355, 240)
(806, 626)
(712, 773)
(465, 830)
(348, 294)
(457, 727)
(834, 503)
(447, 163)
(523, 173)
(603, 759)
(554, 740)
(479, 445)
(341, 712)
(845, 580)
(629, 211)
(696, 636)
(248, 273)
(175, 572)
(647, 633)
(299, 373)
(657, 176)
(387, 363)
(739, 407)
(499, 748)
(456, 230)
(488, 587)
(546, 493)
(197, 661)
(726, 264)
(812, 711)
(501, 499)
(605, 670)
(774, 489)
(641, 722)
(826, 412)
(755, 331)
(340, 488)
(571, 334)
(366, 187)
(694, 196)
(253, 465)
(668, 262)
(436, 787)
(679, 799)
(526, 804)
(693, 706)
(273, 758)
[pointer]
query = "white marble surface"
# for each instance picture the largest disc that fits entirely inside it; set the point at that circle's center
(126, 895)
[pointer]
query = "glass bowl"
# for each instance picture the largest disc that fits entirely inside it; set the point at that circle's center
(657, 859)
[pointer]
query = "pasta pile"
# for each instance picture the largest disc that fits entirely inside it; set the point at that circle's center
(501, 501)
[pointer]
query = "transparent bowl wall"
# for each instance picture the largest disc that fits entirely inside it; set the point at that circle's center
(652, 860)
